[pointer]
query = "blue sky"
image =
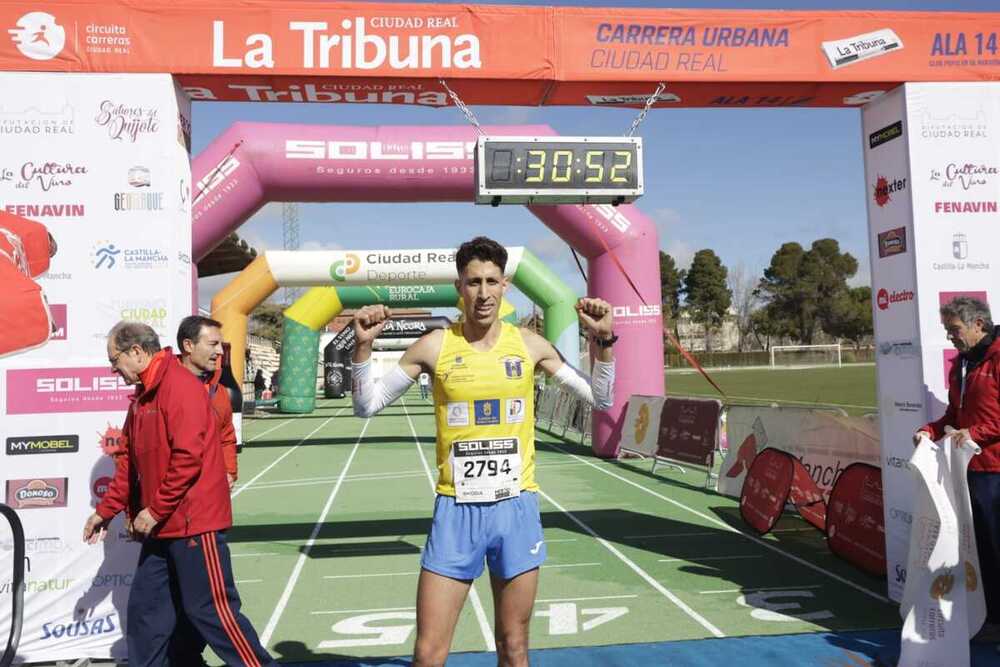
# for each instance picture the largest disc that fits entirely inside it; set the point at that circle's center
(738, 181)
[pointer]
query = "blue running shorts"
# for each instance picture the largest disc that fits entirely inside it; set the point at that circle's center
(508, 534)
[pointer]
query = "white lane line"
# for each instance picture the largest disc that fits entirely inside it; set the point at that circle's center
(596, 597)
(557, 565)
(320, 481)
(279, 609)
(560, 539)
(368, 576)
(243, 487)
(477, 603)
(758, 399)
(263, 553)
(249, 581)
(362, 611)
(726, 527)
(273, 428)
(698, 618)
(753, 590)
(698, 559)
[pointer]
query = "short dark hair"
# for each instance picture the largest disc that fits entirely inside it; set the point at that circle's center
(484, 249)
(125, 334)
(968, 309)
(190, 329)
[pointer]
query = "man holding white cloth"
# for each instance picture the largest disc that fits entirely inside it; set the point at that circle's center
(974, 411)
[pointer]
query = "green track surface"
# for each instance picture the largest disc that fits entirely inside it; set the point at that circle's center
(331, 514)
(851, 388)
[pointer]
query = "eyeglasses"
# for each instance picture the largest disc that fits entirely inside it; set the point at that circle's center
(114, 359)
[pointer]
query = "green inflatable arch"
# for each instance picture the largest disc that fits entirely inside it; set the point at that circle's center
(305, 319)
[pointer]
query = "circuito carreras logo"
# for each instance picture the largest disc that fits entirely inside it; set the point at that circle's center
(38, 36)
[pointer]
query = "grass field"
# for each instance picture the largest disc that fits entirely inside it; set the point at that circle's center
(851, 388)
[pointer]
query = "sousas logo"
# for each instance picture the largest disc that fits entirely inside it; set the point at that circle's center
(354, 48)
(378, 150)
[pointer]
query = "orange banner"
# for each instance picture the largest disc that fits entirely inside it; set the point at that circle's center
(273, 50)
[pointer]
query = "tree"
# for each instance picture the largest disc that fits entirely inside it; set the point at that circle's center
(706, 295)
(266, 320)
(742, 285)
(852, 316)
(671, 285)
(802, 287)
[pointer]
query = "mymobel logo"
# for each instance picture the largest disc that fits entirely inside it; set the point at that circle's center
(42, 444)
(353, 48)
(38, 36)
(886, 134)
(342, 268)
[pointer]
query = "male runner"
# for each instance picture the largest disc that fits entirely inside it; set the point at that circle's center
(487, 501)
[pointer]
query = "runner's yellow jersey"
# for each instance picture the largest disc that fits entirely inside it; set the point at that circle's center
(483, 395)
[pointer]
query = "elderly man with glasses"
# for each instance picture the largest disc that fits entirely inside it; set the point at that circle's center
(172, 481)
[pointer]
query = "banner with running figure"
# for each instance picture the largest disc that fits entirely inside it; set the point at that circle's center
(101, 161)
(943, 604)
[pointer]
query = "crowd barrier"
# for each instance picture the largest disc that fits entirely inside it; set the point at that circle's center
(674, 431)
(561, 410)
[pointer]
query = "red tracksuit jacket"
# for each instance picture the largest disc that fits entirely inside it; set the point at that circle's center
(174, 464)
(978, 410)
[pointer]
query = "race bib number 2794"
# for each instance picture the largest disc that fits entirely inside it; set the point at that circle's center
(486, 470)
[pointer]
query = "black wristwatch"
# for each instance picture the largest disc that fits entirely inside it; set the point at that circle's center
(605, 342)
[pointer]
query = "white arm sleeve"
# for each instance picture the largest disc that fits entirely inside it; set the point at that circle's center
(598, 391)
(370, 396)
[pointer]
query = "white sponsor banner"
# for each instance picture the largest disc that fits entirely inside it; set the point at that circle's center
(894, 307)
(932, 154)
(370, 267)
(641, 429)
(943, 604)
(102, 162)
(824, 442)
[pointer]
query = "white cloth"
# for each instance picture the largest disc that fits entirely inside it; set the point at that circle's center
(598, 391)
(370, 396)
(943, 604)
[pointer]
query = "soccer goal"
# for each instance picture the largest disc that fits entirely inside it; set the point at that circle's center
(805, 356)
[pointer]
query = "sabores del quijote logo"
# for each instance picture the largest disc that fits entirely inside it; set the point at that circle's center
(127, 122)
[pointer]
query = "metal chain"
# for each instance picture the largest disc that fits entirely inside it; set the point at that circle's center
(642, 114)
(471, 117)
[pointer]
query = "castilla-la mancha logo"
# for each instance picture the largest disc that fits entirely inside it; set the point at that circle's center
(38, 36)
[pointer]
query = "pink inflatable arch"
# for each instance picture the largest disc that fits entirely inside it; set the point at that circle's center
(254, 163)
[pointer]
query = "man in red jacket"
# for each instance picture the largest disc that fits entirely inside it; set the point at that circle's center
(974, 409)
(173, 481)
(199, 341)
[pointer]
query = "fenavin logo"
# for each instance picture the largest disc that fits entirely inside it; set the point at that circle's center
(342, 268)
(38, 36)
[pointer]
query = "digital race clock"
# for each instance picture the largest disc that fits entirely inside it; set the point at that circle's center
(558, 170)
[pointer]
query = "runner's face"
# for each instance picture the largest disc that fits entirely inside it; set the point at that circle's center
(481, 286)
(205, 353)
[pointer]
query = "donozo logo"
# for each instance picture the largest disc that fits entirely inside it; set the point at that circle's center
(342, 268)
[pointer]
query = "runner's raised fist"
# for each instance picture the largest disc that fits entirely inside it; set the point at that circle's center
(595, 316)
(369, 322)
